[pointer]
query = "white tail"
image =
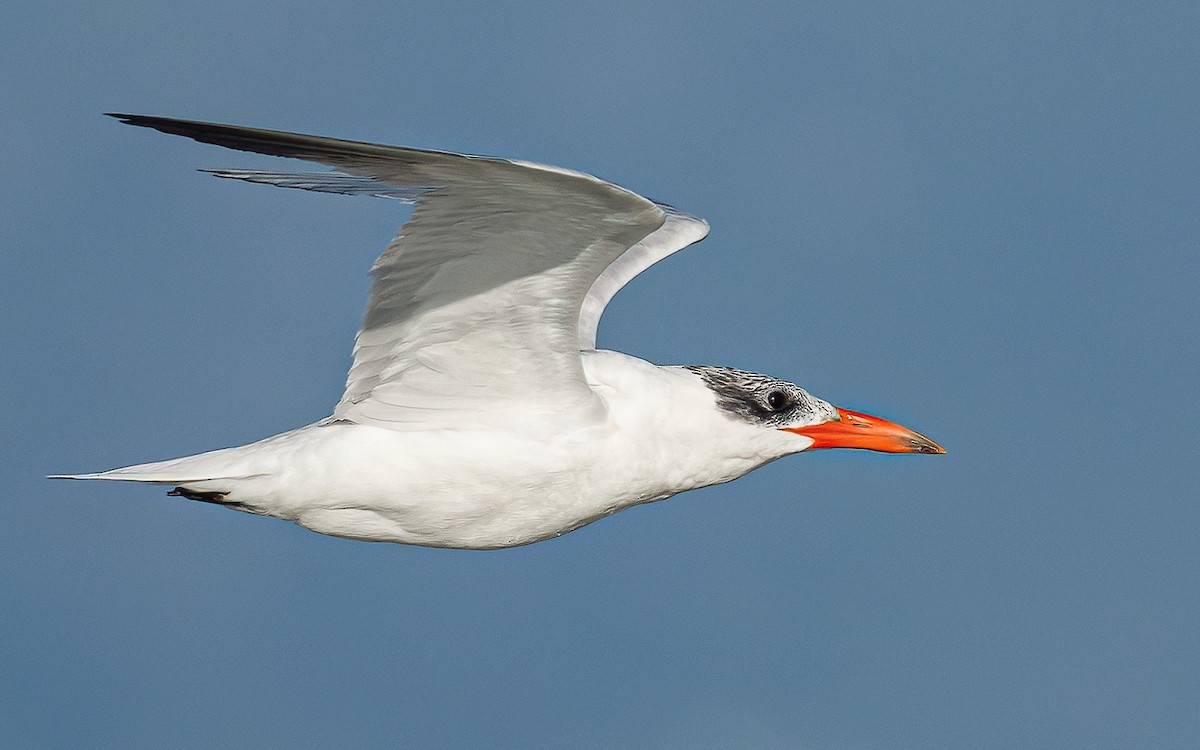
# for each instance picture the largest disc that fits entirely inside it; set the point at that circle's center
(214, 465)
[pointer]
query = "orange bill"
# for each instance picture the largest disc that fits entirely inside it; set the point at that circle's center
(855, 430)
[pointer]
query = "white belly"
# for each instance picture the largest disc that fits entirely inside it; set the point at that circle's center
(447, 489)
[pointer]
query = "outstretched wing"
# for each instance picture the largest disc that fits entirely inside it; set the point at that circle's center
(481, 304)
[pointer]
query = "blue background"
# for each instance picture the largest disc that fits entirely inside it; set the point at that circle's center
(978, 220)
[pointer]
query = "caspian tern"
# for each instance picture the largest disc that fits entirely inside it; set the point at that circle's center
(478, 412)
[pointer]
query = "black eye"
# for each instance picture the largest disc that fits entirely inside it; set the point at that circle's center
(778, 400)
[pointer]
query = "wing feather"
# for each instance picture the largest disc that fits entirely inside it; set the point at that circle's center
(480, 305)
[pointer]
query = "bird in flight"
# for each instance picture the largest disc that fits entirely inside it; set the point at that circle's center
(478, 412)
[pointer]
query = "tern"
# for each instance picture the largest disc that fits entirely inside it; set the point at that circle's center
(478, 412)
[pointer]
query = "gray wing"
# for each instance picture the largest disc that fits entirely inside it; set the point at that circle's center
(481, 304)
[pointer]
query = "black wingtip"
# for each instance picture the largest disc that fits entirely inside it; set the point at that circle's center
(229, 136)
(165, 124)
(332, 151)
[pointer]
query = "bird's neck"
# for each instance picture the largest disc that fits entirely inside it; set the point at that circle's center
(665, 423)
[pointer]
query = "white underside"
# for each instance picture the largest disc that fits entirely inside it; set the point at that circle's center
(486, 487)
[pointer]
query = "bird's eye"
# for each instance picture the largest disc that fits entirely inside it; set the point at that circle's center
(778, 400)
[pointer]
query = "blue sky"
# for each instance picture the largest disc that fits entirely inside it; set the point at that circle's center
(978, 221)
